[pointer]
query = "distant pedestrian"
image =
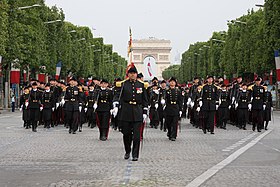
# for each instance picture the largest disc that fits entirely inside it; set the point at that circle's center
(13, 101)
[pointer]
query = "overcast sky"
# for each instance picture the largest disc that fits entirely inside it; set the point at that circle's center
(181, 21)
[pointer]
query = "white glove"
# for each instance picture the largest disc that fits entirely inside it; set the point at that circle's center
(189, 101)
(264, 106)
(85, 109)
(250, 106)
(62, 102)
(95, 106)
(198, 109)
(233, 99)
(115, 104)
(156, 106)
(20, 109)
(229, 107)
(57, 105)
(192, 104)
(115, 111)
(180, 113)
(217, 107)
(41, 108)
(26, 104)
(162, 101)
(236, 105)
(80, 108)
(220, 101)
(164, 107)
(200, 103)
(271, 108)
(144, 117)
(53, 108)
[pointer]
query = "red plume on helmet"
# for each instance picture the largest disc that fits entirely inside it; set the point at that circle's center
(131, 68)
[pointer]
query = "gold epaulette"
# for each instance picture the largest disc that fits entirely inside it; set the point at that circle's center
(218, 87)
(250, 87)
(64, 89)
(146, 84)
(119, 83)
(80, 89)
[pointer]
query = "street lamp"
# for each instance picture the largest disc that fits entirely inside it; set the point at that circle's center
(82, 39)
(27, 7)
(72, 31)
(54, 21)
(216, 40)
(241, 22)
(259, 5)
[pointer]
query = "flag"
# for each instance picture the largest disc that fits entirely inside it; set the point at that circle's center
(58, 69)
(277, 63)
(129, 43)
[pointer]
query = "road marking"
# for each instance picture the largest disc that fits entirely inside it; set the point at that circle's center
(270, 147)
(128, 173)
(213, 170)
(4, 117)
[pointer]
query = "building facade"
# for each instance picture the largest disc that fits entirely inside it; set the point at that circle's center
(151, 56)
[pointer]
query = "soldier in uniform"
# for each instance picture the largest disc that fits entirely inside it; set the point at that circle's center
(173, 108)
(132, 104)
(154, 104)
(115, 120)
(192, 93)
(224, 105)
(186, 96)
(24, 107)
(104, 105)
(242, 105)
(269, 106)
(55, 91)
(161, 107)
(195, 107)
(73, 105)
(34, 106)
(48, 104)
(90, 100)
(258, 104)
(235, 90)
(209, 104)
(82, 113)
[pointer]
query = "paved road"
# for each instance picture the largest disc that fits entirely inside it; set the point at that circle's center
(55, 158)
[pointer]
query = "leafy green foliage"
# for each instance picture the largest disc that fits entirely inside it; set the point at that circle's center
(31, 42)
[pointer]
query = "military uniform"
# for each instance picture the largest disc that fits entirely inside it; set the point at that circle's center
(192, 94)
(48, 104)
(268, 108)
(154, 104)
(209, 98)
(133, 103)
(34, 108)
(91, 115)
(104, 103)
(72, 104)
(25, 110)
(198, 117)
(243, 99)
(82, 112)
(223, 110)
(55, 114)
(258, 105)
(173, 108)
(161, 112)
